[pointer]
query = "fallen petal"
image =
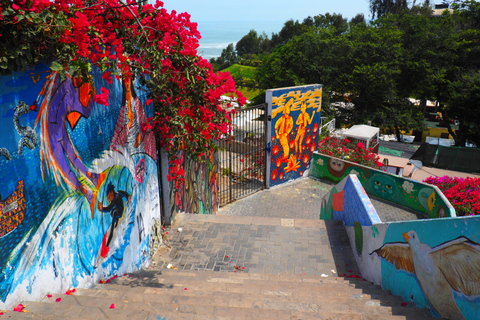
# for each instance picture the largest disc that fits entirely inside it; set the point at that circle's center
(112, 306)
(404, 304)
(49, 295)
(19, 308)
(58, 299)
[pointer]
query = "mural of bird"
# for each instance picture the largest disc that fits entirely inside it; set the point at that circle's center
(453, 266)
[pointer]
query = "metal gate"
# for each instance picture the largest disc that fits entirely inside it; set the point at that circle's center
(242, 156)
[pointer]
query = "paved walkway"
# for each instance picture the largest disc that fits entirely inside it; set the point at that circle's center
(275, 231)
(258, 245)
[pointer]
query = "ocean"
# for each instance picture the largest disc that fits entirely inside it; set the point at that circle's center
(217, 35)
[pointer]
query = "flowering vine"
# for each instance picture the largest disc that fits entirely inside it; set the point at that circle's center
(126, 40)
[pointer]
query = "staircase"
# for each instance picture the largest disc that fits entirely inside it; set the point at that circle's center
(180, 294)
(224, 267)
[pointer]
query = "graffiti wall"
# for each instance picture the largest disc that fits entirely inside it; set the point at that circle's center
(434, 263)
(416, 195)
(197, 193)
(295, 123)
(79, 196)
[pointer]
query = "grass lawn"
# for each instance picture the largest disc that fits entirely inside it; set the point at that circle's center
(248, 92)
(237, 70)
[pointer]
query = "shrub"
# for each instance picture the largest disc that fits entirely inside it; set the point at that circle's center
(345, 149)
(463, 193)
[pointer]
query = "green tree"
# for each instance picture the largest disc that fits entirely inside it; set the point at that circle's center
(335, 21)
(226, 59)
(249, 44)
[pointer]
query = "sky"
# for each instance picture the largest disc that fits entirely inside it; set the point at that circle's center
(265, 10)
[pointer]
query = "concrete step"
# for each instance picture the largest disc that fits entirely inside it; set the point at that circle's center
(176, 294)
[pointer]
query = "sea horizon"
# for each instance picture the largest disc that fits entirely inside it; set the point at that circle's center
(217, 35)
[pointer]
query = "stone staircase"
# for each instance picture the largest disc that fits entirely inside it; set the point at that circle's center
(180, 294)
(234, 267)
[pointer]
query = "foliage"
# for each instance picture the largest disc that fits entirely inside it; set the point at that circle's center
(379, 8)
(226, 59)
(239, 71)
(126, 41)
(348, 150)
(369, 71)
(250, 94)
(463, 193)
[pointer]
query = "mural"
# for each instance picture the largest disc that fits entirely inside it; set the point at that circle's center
(295, 122)
(198, 192)
(434, 263)
(416, 195)
(80, 183)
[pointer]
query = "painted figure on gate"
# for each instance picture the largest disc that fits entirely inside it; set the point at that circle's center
(303, 120)
(283, 127)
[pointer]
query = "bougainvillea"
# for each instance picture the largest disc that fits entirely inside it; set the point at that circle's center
(127, 40)
(463, 193)
(345, 149)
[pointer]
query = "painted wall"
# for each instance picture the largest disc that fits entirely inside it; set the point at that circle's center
(434, 263)
(79, 192)
(416, 195)
(294, 129)
(198, 192)
(349, 202)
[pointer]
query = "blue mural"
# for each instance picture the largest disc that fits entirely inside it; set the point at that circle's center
(295, 115)
(79, 197)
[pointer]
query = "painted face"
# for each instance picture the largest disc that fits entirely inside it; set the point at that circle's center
(110, 196)
(336, 165)
(383, 186)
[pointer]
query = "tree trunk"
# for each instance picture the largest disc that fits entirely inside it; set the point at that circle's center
(397, 133)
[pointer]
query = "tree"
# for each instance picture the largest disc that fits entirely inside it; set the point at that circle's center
(226, 59)
(335, 21)
(249, 44)
(379, 8)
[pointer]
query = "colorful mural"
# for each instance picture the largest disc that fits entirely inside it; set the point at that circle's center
(80, 181)
(412, 194)
(434, 263)
(199, 191)
(295, 115)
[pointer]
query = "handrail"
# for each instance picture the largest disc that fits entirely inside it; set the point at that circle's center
(330, 126)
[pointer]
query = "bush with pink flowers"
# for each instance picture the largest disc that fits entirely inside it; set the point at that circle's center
(351, 151)
(463, 193)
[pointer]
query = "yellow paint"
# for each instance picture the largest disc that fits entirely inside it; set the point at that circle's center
(303, 121)
(431, 201)
(283, 126)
